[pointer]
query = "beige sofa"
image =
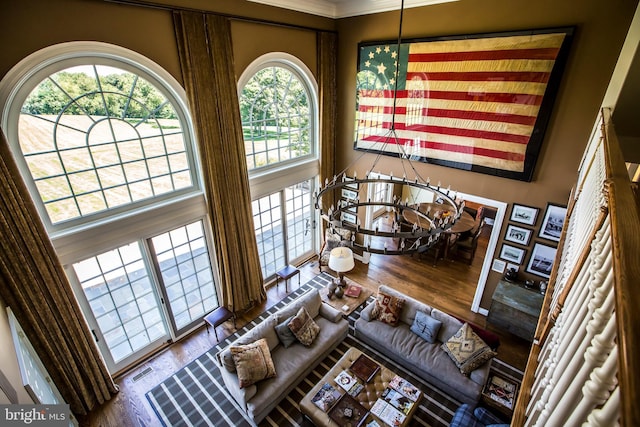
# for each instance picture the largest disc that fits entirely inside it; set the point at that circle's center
(426, 360)
(292, 364)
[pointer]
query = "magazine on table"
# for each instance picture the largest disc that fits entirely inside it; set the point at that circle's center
(387, 413)
(349, 383)
(405, 387)
(399, 401)
(326, 397)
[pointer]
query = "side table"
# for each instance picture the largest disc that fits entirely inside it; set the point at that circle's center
(286, 273)
(217, 317)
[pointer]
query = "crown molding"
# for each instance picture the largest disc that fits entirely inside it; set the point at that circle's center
(346, 8)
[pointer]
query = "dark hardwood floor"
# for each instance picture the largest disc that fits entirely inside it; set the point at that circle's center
(449, 286)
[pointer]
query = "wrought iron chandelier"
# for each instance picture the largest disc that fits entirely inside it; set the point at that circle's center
(427, 224)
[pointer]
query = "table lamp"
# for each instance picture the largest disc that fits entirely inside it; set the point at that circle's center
(341, 261)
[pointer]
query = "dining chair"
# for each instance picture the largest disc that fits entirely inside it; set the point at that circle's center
(467, 246)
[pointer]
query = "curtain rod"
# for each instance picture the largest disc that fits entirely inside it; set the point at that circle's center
(152, 5)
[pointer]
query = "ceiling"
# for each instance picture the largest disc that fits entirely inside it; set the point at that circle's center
(345, 8)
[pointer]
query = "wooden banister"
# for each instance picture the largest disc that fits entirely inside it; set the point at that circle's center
(620, 210)
(625, 222)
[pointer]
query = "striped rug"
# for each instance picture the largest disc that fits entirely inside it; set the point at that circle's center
(196, 396)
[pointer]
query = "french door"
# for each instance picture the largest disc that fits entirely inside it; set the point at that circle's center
(284, 227)
(139, 296)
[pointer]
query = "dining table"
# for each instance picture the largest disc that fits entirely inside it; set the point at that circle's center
(463, 224)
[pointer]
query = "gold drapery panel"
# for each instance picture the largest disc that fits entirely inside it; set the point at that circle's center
(206, 57)
(34, 285)
(327, 48)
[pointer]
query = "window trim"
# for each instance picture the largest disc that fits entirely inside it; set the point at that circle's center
(41, 64)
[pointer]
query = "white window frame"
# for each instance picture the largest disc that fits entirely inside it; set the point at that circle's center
(275, 178)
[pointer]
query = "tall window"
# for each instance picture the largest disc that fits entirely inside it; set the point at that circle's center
(105, 144)
(278, 105)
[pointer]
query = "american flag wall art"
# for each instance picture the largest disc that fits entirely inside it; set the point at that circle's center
(478, 103)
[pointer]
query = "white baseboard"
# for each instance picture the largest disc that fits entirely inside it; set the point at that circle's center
(483, 311)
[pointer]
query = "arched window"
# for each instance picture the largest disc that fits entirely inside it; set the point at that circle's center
(278, 105)
(104, 142)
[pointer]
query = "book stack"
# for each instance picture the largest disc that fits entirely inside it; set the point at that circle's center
(501, 391)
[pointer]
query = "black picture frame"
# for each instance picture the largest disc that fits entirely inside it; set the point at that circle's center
(519, 235)
(552, 222)
(524, 214)
(541, 260)
(433, 125)
(512, 254)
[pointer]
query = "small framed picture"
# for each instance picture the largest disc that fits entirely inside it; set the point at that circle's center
(541, 260)
(553, 222)
(498, 265)
(512, 254)
(352, 185)
(518, 235)
(524, 214)
(349, 217)
(349, 194)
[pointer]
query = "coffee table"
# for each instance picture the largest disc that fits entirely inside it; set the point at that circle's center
(346, 304)
(367, 397)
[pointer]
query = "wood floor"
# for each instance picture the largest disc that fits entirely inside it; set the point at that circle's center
(449, 286)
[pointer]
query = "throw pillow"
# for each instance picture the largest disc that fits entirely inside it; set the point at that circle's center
(426, 326)
(387, 308)
(303, 327)
(467, 350)
(253, 362)
(285, 335)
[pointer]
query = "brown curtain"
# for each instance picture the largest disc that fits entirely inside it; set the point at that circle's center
(206, 57)
(327, 48)
(34, 285)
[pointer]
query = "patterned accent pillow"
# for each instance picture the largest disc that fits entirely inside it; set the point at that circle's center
(387, 308)
(426, 327)
(467, 350)
(253, 362)
(303, 327)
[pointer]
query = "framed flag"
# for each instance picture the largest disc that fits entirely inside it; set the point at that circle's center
(477, 102)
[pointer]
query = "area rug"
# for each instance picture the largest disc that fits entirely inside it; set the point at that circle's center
(196, 396)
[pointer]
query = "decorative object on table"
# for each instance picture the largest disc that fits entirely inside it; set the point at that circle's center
(326, 397)
(513, 254)
(529, 284)
(339, 293)
(341, 261)
(509, 66)
(511, 275)
(541, 261)
(364, 368)
(331, 289)
(543, 286)
(519, 235)
(348, 411)
(524, 214)
(501, 390)
(553, 222)
(395, 241)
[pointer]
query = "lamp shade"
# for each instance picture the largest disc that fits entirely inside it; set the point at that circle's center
(341, 259)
